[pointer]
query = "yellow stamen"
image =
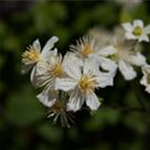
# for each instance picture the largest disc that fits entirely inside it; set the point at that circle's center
(86, 83)
(137, 31)
(30, 56)
(58, 106)
(87, 50)
(57, 70)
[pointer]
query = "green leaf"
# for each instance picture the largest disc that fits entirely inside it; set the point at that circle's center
(23, 109)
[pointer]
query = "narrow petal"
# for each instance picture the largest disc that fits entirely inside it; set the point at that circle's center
(49, 45)
(92, 101)
(107, 51)
(65, 84)
(127, 26)
(108, 65)
(129, 36)
(105, 79)
(32, 75)
(143, 81)
(144, 37)
(148, 89)
(137, 59)
(146, 69)
(37, 46)
(127, 70)
(76, 100)
(47, 99)
(146, 30)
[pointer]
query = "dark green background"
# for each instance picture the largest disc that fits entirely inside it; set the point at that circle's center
(123, 120)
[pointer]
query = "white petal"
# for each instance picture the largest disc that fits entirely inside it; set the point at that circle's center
(49, 45)
(65, 84)
(127, 70)
(47, 99)
(146, 30)
(73, 70)
(146, 69)
(37, 46)
(128, 27)
(92, 101)
(130, 36)
(108, 65)
(137, 59)
(107, 51)
(143, 81)
(144, 37)
(138, 23)
(105, 79)
(76, 100)
(148, 89)
(91, 65)
(32, 75)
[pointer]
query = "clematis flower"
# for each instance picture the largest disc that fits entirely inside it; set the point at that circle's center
(33, 56)
(47, 73)
(126, 56)
(81, 84)
(91, 47)
(136, 31)
(146, 77)
(60, 114)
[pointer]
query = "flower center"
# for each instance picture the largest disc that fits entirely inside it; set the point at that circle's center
(87, 50)
(58, 106)
(57, 70)
(86, 83)
(137, 31)
(30, 56)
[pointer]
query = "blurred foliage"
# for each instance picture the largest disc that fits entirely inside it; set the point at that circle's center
(121, 123)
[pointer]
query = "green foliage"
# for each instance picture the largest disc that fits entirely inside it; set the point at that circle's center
(117, 125)
(23, 109)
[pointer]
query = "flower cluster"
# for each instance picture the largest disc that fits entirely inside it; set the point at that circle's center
(69, 82)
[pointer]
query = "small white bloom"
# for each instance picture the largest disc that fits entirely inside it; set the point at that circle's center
(56, 106)
(34, 55)
(136, 30)
(92, 47)
(146, 77)
(81, 84)
(60, 114)
(126, 56)
(55, 67)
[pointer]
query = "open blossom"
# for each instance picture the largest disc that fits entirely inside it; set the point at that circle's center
(93, 47)
(47, 73)
(81, 84)
(146, 77)
(34, 55)
(60, 114)
(136, 30)
(126, 56)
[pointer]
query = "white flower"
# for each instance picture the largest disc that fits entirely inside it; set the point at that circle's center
(146, 77)
(34, 55)
(59, 113)
(95, 48)
(46, 75)
(136, 30)
(81, 84)
(56, 106)
(126, 56)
